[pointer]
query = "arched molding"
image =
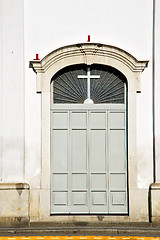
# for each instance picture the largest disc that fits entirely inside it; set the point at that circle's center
(85, 53)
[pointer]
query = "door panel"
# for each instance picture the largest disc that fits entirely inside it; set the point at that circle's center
(59, 150)
(97, 150)
(78, 120)
(79, 162)
(79, 151)
(117, 150)
(117, 162)
(88, 162)
(59, 120)
(97, 162)
(98, 181)
(98, 120)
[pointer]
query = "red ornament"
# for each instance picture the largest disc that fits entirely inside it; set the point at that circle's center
(37, 57)
(88, 38)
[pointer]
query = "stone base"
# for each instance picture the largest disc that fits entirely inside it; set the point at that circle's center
(14, 204)
(155, 203)
(14, 222)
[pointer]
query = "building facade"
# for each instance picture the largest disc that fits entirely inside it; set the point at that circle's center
(79, 135)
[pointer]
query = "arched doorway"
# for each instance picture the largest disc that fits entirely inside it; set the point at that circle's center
(88, 141)
(89, 54)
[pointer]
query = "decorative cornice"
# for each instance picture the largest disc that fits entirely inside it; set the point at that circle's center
(87, 50)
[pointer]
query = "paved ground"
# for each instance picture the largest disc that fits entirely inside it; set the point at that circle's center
(77, 238)
(82, 233)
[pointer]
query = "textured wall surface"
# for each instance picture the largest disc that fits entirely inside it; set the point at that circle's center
(12, 91)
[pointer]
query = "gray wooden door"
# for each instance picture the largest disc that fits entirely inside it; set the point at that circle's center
(88, 161)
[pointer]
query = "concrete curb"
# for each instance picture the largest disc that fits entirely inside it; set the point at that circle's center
(82, 231)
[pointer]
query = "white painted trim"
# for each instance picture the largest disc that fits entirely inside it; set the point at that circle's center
(86, 53)
(88, 106)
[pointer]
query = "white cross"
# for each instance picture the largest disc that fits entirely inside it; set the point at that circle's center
(88, 76)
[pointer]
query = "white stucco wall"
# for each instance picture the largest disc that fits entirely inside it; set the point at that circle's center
(157, 87)
(51, 24)
(12, 90)
(126, 24)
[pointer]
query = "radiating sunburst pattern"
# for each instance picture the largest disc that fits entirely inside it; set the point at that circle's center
(109, 88)
(68, 88)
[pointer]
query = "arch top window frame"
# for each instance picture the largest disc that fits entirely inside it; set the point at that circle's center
(85, 53)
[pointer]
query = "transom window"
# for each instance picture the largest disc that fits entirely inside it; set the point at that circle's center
(98, 83)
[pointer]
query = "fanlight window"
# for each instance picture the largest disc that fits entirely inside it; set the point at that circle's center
(69, 88)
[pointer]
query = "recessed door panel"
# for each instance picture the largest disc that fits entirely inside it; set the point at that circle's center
(79, 120)
(98, 181)
(79, 181)
(59, 120)
(79, 150)
(59, 152)
(98, 120)
(97, 150)
(117, 150)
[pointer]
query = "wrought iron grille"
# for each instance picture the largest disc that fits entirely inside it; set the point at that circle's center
(68, 88)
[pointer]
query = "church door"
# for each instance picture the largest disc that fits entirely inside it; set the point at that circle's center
(88, 141)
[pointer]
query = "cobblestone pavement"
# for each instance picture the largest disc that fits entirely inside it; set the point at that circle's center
(78, 238)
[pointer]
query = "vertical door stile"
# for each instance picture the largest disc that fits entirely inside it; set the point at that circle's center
(117, 160)
(88, 160)
(126, 145)
(51, 162)
(107, 162)
(109, 159)
(126, 161)
(125, 95)
(69, 159)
